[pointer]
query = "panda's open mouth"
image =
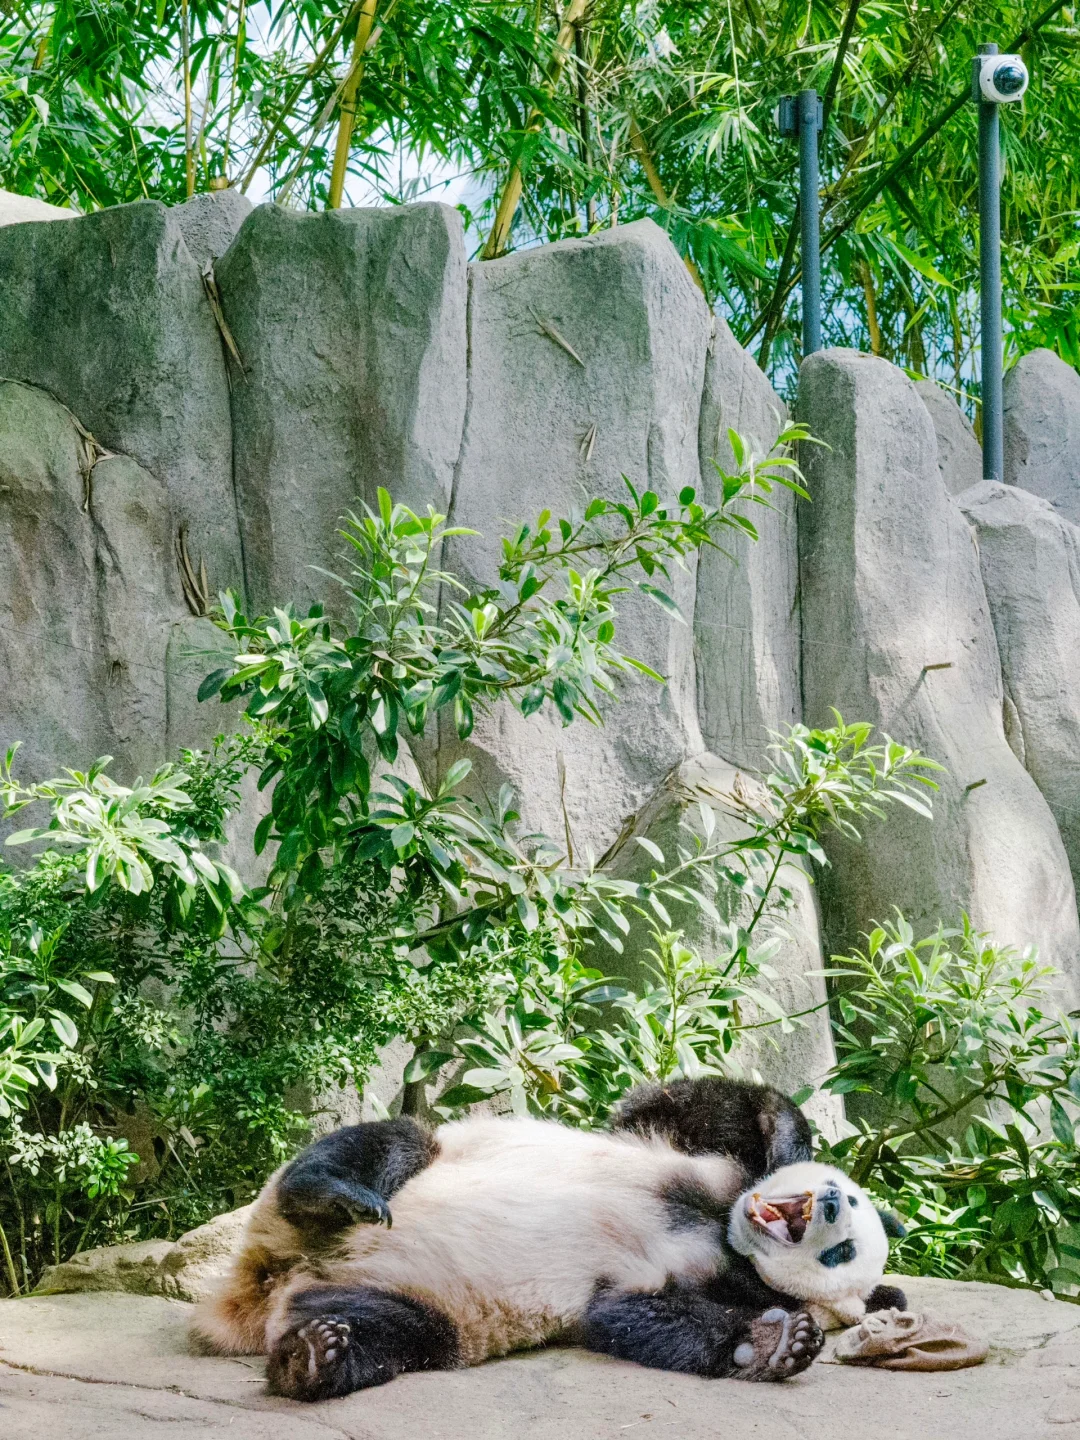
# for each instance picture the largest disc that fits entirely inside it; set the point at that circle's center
(782, 1218)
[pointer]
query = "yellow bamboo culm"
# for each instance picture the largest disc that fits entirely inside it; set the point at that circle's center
(877, 346)
(189, 149)
(656, 185)
(510, 198)
(349, 93)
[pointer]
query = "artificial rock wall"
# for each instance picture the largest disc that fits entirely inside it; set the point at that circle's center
(190, 398)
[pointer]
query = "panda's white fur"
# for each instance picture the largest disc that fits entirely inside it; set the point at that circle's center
(514, 1224)
(835, 1294)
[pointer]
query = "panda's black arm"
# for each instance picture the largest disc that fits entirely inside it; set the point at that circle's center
(347, 1177)
(683, 1330)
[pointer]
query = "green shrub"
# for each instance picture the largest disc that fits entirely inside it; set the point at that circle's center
(974, 1072)
(168, 1035)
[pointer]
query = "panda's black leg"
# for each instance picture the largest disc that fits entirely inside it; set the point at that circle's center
(886, 1297)
(347, 1177)
(684, 1330)
(341, 1339)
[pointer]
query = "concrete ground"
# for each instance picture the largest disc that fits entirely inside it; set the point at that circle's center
(118, 1367)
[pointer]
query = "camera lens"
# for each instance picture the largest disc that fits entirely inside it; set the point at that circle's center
(1009, 78)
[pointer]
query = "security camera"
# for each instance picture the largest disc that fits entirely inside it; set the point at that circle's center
(1002, 78)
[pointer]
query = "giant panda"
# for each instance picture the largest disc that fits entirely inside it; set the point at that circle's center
(696, 1235)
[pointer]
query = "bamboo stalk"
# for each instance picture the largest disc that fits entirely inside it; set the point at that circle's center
(212, 77)
(348, 105)
(581, 46)
(185, 54)
(294, 95)
(656, 185)
(511, 195)
(866, 275)
(240, 18)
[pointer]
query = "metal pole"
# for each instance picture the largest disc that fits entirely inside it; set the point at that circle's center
(993, 443)
(809, 123)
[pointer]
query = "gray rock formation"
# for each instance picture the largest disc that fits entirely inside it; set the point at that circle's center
(586, 363)
(1030, 560)
(351, 328)
(745, 616)
(186, 1269)
(16, 209)
(959, 454)
(92, 621)
(128, 1269)
(1042, 430)
(209, 223)
(120, 1367)
(671, 820)
(891, 586)
(108, 313)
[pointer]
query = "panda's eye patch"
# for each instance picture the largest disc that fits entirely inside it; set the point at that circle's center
(853, 1200)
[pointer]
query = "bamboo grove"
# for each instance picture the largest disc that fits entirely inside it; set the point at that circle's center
(589, 114)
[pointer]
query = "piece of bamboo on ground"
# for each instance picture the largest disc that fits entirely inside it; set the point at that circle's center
(349, 93)
(511, 195)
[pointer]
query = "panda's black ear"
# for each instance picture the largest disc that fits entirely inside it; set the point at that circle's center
(893, 1225)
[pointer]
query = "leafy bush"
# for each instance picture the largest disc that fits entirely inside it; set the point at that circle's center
(170, 1035)
(975, 1077)
(166, 1033)
(573, 1040)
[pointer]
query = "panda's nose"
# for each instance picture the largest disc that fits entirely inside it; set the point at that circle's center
(830, 1205)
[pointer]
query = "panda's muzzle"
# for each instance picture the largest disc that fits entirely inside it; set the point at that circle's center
(781, 1218)
(785, 1218)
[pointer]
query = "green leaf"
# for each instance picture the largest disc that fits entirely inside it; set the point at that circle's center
(262, 833)
(1061, 1125)
(212, 684)
(426, 1063)
(532, 700)
(455, 775)
(664, 601)
(66, 1029)
(458, 1097)
(563, 696)
(76, 991)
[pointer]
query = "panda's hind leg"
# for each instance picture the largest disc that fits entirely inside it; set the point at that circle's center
(682, 1329)
(339, 1339)
(348, 1177)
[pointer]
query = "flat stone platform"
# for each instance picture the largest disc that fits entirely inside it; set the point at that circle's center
(118, 1367)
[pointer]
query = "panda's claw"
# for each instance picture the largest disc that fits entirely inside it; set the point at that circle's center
(783, 1345)
(370, 1212)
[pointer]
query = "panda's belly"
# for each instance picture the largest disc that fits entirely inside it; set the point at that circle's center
(511, 1229)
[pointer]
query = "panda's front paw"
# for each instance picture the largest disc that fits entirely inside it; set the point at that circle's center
(781, 1345)
(311, 1362)
(322, 1208)
(367, 1209)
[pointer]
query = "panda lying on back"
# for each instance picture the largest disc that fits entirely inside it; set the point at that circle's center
(645, 1243)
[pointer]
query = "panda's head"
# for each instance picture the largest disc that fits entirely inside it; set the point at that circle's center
(811, 1232)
